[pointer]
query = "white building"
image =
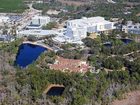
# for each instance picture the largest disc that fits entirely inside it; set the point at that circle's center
(6, 38)
(4, 19)
(37, 33)
(131, 28)
(78, 28)
(40, 20)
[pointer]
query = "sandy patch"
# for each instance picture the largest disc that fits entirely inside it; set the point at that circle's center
(138, 14)
(132, 98)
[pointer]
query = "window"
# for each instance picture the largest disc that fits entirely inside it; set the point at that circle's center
(101, 27)
(108, 26)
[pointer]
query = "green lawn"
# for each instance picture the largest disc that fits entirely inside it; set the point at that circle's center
(12, 6)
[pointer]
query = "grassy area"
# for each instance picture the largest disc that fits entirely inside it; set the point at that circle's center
(15, 6)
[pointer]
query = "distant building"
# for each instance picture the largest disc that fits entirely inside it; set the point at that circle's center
(78, 28)
(131, 28)
(74, 32)
(37, 22)
(40, 20)
(61, 39)
(6, 38)
(31, 26)
(4, 19)
(126, 13)
(37, 33)
(70, 65)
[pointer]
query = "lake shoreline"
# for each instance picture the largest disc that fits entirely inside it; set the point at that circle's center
(28, 53)
(35, 43)
(52, 85)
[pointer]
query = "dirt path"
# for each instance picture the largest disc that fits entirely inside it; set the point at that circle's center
(132, 98)
(76, 3)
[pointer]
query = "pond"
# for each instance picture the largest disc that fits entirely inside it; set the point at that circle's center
(55, 91)
(126, 41)
(27, 54)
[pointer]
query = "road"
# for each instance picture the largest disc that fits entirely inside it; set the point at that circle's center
(27, 15)
(124, 55)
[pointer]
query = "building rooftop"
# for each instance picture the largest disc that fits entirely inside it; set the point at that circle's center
(70, 65)
(37, 32)
(6, 38)
(89, 21)
(4, 19)
(95, 19)
(66, 39)
(135, 26)
(40, 17)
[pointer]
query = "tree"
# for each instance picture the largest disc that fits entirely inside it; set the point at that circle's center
(32, 38)
(113, 63)
(49, 26)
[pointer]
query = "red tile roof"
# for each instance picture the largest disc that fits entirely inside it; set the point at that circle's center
(70, 65)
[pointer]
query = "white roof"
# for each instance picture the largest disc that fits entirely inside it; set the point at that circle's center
(4, 19)
(63, 38)
(60, 39)
(89, 21)
(40, 17)
(38, 32)
(130, 25)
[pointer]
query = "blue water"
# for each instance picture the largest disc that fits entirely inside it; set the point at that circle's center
(27, 54)
(126, 41)
(55, 91)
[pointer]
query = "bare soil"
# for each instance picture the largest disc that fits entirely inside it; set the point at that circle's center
(132, 98)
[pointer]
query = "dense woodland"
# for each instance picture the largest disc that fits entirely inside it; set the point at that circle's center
(124, 10)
